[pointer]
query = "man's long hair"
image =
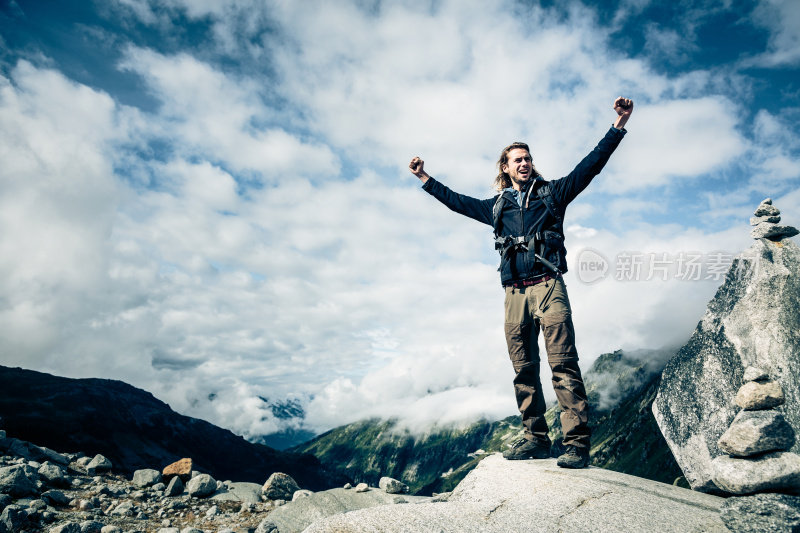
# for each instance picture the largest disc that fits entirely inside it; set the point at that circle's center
(502, 181)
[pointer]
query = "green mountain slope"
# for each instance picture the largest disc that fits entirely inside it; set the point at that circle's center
(621, 389)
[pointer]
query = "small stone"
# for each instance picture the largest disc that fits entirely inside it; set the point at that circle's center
(56, 498)
(54, 475)
(766, 209)
(348, 486)
(83, 461)
(110, 529)
(146, 477)
(752, 373)
(158, 487)
(302, 493)
(761, 512)
(362, 487)
(772, 219)
(212, 511)
(91, 526)
(774, 232)
(757, 395)
(175, 487)
(68, 527)
(201, 486)
(14, 518)
(399, 499)
(169, 530)
(756, 432)
(773, 471)
(37, 504)
(392, 486)
(279, 486)
(191, 530)
(123, 509)
(98, 464)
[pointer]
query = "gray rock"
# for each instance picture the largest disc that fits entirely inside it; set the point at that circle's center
(752, 373)
(175, 487)
(68, 527)
(299, 514)
(755, 395)
(91, 526)
(302, 493)
(392, 486)
(110, 529)
(348, 486)
(773, 471)
(772, 219)
(754, 320)
(146, 477)
(499, 496)
(201, 486)
(191, 530)
(14, 518)
(774, 232)
(125, 508)
(756, 432)
(241, 492)
(212, 511)
(762, 513)
(15, 483)
(280, 486)
(54, 475)
(169, 530)
(56, 498)
(32, 452)
(5, 500)
(98, 464)
(765, 208)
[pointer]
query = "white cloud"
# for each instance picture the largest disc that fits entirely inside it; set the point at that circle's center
(283, 249)
(782, 19)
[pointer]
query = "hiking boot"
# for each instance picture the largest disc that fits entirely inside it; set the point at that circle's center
(527, 449)
(574, 457)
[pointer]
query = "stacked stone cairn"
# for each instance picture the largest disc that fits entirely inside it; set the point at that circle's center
(766, 224)
(758, 468)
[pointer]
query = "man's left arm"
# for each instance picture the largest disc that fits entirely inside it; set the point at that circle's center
(567, 188)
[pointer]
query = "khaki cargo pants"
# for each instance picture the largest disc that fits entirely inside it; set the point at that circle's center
(545, 306)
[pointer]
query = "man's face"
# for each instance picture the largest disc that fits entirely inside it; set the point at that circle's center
(519, 167)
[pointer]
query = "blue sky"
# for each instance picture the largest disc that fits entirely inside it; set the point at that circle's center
(210, 199)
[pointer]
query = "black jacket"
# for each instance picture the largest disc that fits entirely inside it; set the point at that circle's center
(517, 221)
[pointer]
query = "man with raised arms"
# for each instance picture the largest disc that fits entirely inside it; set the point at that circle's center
(527, 215)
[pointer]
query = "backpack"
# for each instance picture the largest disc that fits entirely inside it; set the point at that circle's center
(505, 244)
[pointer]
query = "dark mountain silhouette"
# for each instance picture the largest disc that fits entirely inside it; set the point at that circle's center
(135, 430)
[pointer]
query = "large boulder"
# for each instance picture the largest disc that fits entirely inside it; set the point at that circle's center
(15, 482)
(201, 486)
(501, 496)
(762, 512)
(753, 320)
(280, 486)
(146, 477)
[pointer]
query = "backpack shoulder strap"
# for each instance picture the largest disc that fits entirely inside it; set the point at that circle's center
(546, 196)
(497, 209)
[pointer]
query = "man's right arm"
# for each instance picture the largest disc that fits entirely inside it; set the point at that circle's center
(480, 210)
